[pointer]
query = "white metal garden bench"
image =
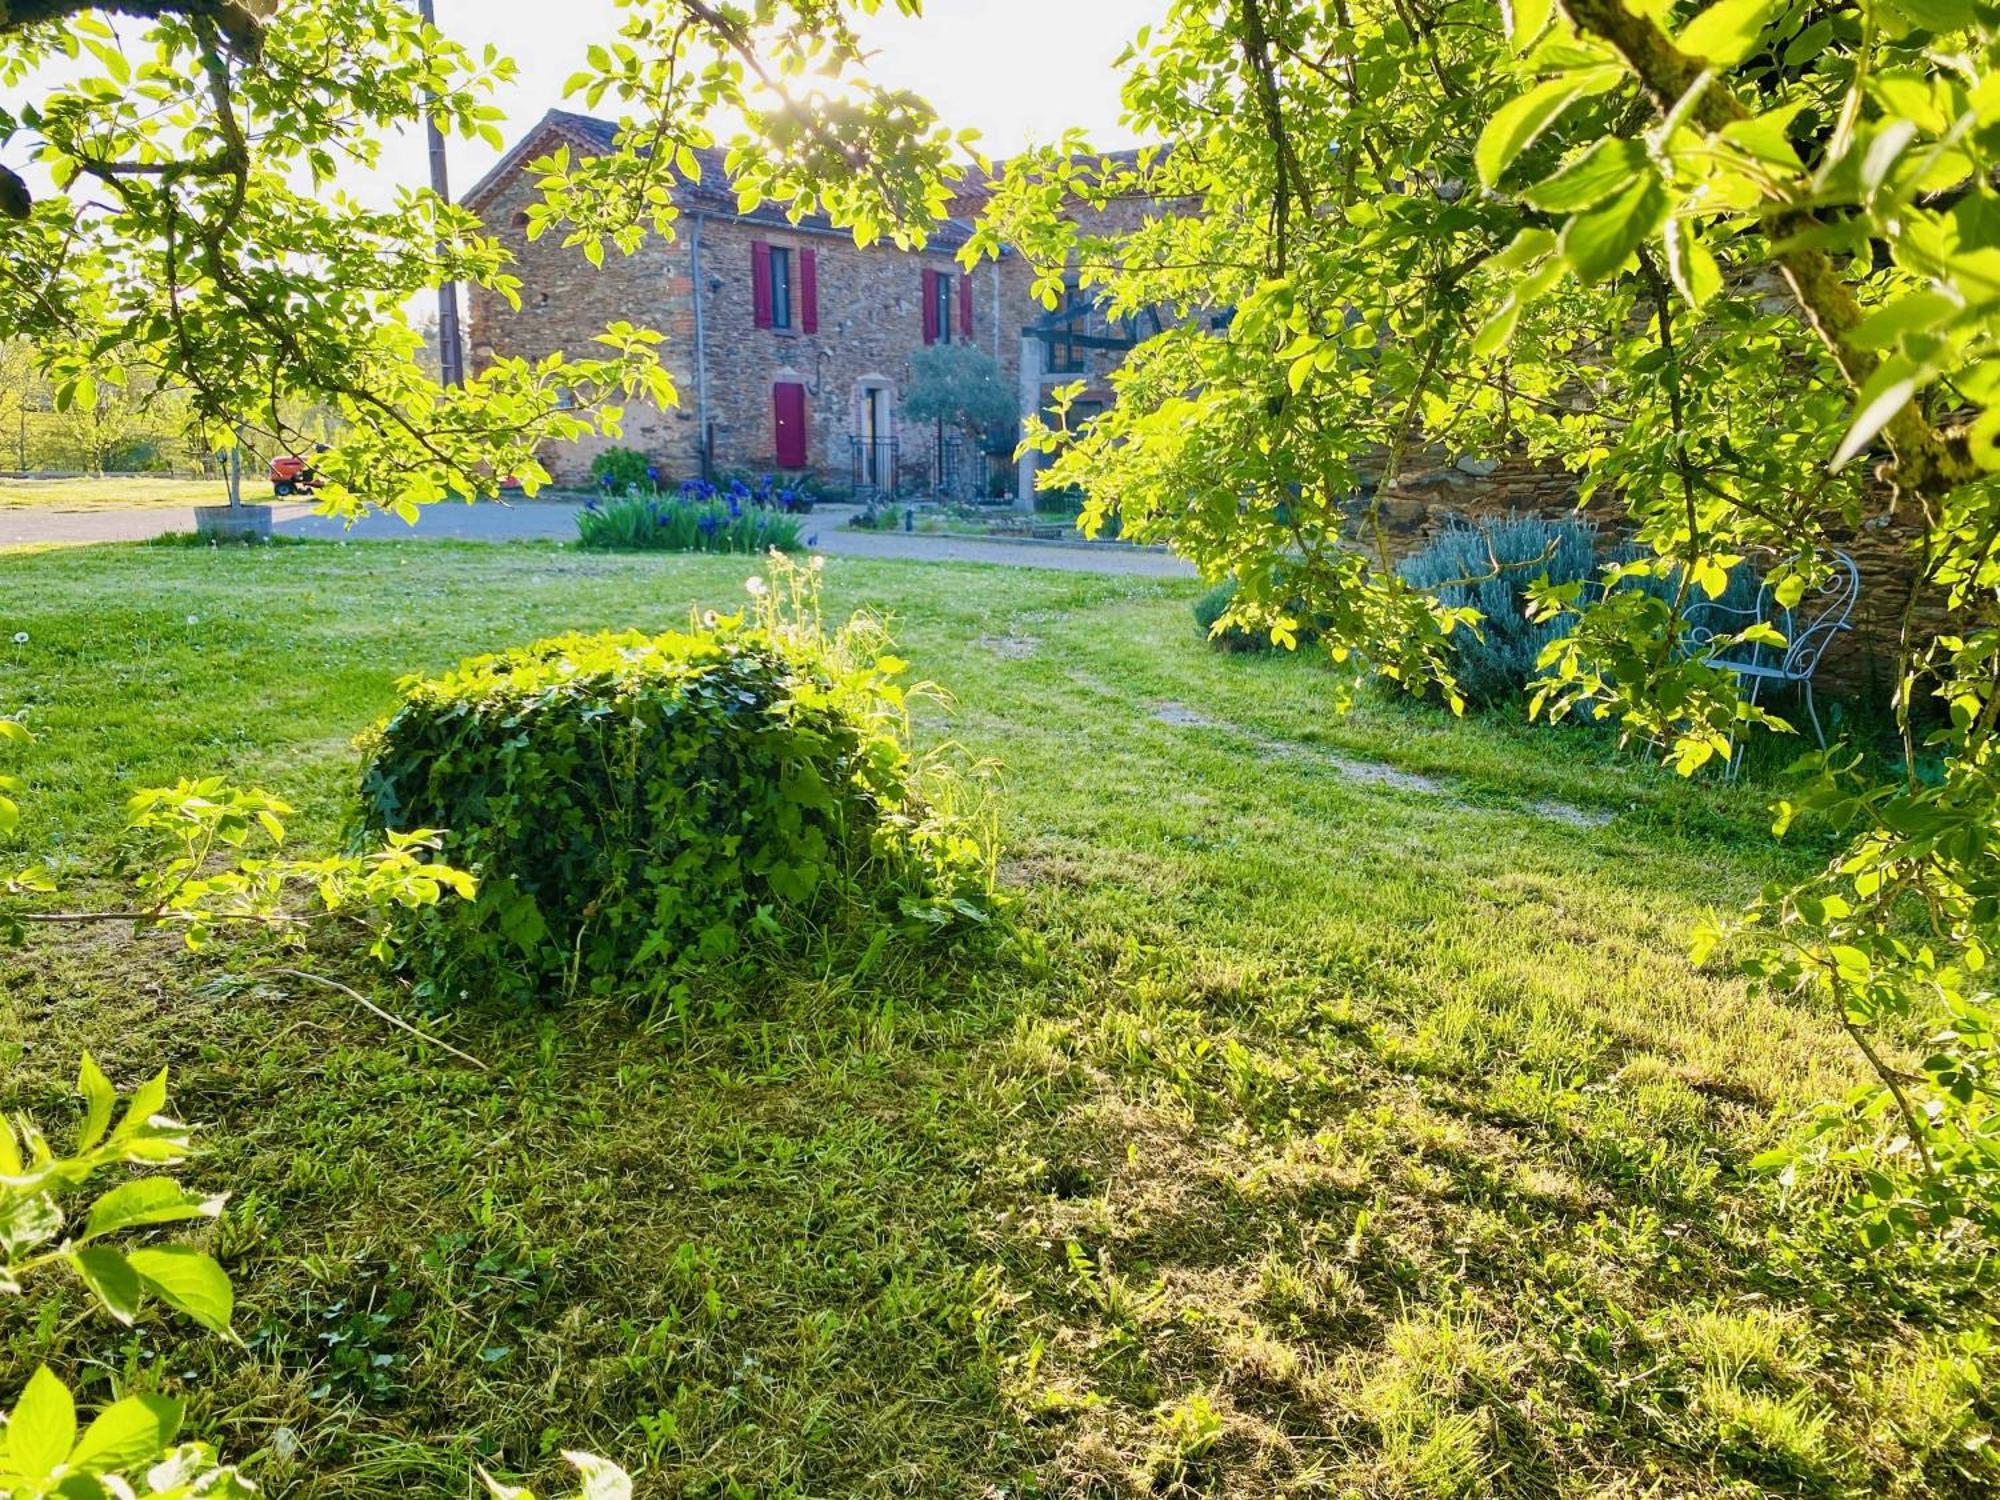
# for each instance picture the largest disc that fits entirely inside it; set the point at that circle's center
(1808, 628)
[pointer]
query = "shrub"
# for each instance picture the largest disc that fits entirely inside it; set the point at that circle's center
(1210, 607)
(649, 523)
(619, 470)
(1489, 566)
(639, 806)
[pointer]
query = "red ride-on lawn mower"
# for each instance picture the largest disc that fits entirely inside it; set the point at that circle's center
(292, 475)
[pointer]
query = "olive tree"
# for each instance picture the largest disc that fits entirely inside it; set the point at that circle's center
(958, 386)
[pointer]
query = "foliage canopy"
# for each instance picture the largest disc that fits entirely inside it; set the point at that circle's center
(192, 232)
(1709, 259)
(960, 385)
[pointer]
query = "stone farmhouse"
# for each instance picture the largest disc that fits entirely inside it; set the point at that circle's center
(790, 346)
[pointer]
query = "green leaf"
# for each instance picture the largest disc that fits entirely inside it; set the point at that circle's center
(1608, 167)
(27, 1221)
(1888, 391)
(41, 1428)
(107, 1273)
(1710, 577)
(1934, 15)
(1526, 247)
(1885, 144)
(1526, 20)
(188, 1281)
(1499, 328)
(150, 1200)
(1915, 313)
(147, 1100)
(127, 1434)
(1693, 269)
(1597, 243)
(500, 1491)
(1519, 123)
(99, 1099)
(1808, 44)
(1727, 31)
(1767, 137)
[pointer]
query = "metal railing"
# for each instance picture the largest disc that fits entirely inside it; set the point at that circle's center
(877, 468)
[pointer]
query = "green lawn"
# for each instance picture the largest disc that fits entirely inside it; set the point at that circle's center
(1324, 1132)
(123, 494)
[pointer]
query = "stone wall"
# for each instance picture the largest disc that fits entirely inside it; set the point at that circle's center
(697, 291)
(565, 301)
(870, 322)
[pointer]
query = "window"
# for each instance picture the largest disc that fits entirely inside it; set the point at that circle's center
(1066, 351)
(937, 307)
(781, 287)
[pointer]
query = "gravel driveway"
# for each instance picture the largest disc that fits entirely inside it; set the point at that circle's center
(555, 520)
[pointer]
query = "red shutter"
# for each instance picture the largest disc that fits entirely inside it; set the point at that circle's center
(760, 282)
(788, 415)
(808, 292)
(965, 307)
(930, 307)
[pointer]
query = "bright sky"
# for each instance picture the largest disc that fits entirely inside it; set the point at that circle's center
(1017, 71)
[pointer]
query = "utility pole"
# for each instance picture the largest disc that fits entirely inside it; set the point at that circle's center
(451, 359)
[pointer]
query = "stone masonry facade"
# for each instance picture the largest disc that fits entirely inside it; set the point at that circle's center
(758, 354)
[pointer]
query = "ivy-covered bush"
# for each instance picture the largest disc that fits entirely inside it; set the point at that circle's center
(618, 470)
(1489, 566)
(637, 805)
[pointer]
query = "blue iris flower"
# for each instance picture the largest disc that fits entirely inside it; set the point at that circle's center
(708, 525)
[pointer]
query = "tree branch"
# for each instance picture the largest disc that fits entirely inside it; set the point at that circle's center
(1927, 461)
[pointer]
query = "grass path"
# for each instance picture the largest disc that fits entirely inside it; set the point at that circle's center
(1323, 1133)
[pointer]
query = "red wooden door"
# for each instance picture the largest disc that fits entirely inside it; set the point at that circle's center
(788, 411)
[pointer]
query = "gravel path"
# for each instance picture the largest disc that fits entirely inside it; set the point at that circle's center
(555, 520)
